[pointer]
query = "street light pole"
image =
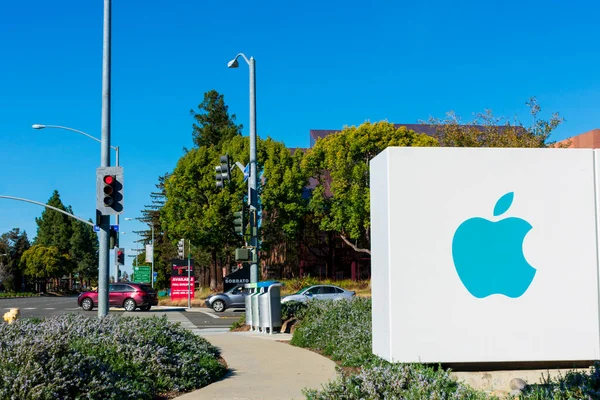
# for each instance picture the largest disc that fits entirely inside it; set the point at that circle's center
(152, 276)
(253, 178)
(104, 234)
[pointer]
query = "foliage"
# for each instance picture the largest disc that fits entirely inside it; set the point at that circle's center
(573, 385)
(84, 250)
(44, 262)
(239, 323)
(340, 165)
(12, 246)
(75, 357)
(293, 309)
(384, 380)
(54, 228)
(213, 124)
(486, 130)
(338, 329)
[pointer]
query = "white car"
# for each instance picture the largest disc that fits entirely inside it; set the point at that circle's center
(320, 292)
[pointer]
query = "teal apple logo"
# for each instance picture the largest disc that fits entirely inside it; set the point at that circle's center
(488, 255)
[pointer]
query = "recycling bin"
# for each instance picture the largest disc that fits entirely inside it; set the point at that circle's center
(269, 306)
(254, 307)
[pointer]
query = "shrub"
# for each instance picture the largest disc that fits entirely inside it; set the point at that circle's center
(293, 309)
(72, 357)
(573, 385)
(384, 380)
(239, 323)
(339, 329)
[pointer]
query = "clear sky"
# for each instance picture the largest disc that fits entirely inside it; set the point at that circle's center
(320, 65)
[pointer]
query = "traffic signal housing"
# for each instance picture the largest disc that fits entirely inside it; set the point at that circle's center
(181, 249)
(238, 222)
(120, 256)
(223, 171)
(109, 190)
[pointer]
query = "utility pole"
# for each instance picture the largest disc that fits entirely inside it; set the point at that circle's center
(104, 223)
(252, 181)
(189, 275)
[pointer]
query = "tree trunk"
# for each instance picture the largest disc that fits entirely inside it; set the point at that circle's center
(213, 270)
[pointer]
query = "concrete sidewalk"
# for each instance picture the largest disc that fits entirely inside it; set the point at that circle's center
(261, 367)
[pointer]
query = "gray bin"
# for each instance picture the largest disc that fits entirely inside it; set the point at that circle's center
(269, 308)
(248, 301)
(255, 311)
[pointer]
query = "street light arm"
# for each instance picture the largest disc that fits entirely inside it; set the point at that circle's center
(47, 206)
(38, 126)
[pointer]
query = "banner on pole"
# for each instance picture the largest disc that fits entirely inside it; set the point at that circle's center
(149, 253)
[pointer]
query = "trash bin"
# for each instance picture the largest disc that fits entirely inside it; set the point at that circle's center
(254, 307)
(248, 301)
(269, 306)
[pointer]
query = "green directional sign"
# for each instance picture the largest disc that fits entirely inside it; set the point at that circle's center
(141, 274)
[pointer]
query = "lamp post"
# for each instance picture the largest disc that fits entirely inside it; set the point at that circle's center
(152, 226)
(115, 148)
(252, 179)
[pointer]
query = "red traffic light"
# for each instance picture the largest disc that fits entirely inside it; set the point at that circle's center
(109, 179)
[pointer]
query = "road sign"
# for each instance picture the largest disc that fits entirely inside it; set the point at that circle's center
(96, 228)
(115, 228)
(141, 274)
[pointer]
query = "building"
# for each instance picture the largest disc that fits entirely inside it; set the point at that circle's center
(587, 140)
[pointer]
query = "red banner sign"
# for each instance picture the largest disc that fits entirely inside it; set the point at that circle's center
(179, 287)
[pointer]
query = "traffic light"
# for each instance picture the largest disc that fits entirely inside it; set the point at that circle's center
(223, 171)
(238, 222)
(109, 190)
(181, 248)
(120, 256)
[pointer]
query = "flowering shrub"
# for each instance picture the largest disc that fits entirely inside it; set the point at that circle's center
(339, 329)
(75, 357)
(384, 380)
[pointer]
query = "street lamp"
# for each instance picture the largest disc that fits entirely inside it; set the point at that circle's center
(116, 149)
(252, 179)
(152, 225)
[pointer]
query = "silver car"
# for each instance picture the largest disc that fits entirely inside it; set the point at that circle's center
(233, 298)
(319, 292)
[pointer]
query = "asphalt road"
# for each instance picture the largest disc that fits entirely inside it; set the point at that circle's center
(42, 307)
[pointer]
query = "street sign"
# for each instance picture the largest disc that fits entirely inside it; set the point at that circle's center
(141, 274)
(115, 228)
(96, 228)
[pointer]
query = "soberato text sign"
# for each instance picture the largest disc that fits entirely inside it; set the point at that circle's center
(485, 255)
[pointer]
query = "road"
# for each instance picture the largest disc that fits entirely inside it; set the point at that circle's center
(42, 307)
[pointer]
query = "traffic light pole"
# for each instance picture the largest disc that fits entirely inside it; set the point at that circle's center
(104, 223)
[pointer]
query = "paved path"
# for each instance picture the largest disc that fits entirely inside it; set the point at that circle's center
(263, 368)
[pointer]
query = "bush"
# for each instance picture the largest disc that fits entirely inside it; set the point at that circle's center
(573, 385)
(339, 329)
(384, 380)
(73, 357)
(293, 309)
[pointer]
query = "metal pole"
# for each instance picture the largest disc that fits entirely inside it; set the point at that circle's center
(189, 275)
(103, 234)
(152, 277)
(117, 222)
(252, 182)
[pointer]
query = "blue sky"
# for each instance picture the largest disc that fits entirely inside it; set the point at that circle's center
(320, 65)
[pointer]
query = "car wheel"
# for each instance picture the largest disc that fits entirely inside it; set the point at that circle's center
(218, 306)
(87, 304)
(129, 305)
(145, 308)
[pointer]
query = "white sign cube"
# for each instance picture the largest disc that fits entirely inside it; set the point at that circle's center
(485, 255)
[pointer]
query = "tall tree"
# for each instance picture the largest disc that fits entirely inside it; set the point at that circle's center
(213, 124)
(54, 228)
(339, 163)
(12, 246)
(487, 130)
(283, 205)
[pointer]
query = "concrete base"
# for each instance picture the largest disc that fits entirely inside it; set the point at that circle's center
(498, 382)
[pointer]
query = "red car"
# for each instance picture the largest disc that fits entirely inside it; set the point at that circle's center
(127, 295)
